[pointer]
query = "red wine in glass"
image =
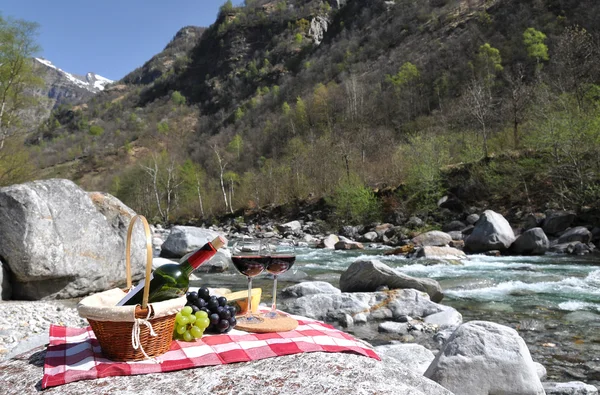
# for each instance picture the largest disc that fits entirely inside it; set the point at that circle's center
(278, 264)
(250, 265)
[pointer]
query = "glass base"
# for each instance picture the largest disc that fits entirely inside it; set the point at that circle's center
(250, 319)
(274, 314)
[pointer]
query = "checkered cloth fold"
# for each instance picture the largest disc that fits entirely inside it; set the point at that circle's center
(74, 353)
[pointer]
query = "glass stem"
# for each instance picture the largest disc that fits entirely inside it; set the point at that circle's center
(249, 313)
(274, 305)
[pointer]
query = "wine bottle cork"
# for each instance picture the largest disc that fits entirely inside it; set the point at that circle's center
(219, 242)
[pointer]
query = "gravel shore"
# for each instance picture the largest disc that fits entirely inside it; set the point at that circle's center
(21, 321)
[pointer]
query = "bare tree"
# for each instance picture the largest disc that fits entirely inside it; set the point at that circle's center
(480, 105)
(222, 166)
(520, 96)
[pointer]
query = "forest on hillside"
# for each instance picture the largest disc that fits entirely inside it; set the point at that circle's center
(252, 112)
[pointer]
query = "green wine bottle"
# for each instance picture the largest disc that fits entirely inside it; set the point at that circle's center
(172, 280)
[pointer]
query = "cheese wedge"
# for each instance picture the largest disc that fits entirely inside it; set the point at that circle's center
(239, 299)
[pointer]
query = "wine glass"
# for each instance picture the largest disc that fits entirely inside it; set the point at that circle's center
(282, 256)
(248, 257)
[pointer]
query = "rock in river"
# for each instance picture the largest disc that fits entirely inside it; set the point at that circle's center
(368, 276)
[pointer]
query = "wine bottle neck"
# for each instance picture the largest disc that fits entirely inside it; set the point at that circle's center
(198, 258)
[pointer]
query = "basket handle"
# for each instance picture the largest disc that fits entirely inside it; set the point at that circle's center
(148, 256)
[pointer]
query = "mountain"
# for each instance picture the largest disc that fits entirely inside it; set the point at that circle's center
(281, 100)
(58, 88)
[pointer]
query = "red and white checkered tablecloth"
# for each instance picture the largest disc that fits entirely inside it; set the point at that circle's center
(74, 353)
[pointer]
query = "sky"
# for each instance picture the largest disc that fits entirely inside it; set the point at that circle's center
(108, 37)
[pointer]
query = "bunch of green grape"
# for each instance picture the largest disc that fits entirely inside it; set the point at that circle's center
(189, 326)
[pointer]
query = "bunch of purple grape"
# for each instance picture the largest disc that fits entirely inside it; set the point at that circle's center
(221, 316)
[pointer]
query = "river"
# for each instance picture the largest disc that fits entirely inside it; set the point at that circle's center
(553, 301)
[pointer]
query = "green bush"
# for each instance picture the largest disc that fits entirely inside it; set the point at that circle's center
(355, 203)
(96, 130)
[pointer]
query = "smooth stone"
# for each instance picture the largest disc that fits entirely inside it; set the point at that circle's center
(310, 288)
(449, 318)
(491, 232)
(569, 388)
(540, 370)
(431, 252)
(531, 242)
(299, 374)
(434, 238)
(414, 357)
(61, 242)
(578, 233)
(557, 221)
(399, 328)
(292, 226)
(399, 302)
(328, 242)
(368, 276)
(482, 358)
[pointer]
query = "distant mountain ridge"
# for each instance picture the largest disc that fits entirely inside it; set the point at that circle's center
(92, 81)
(59, 87)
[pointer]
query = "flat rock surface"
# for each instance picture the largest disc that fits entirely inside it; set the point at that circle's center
(308, 373)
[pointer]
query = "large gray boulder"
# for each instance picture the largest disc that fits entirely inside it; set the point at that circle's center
(557, 221)
(492, 232)
(184, 240)
(376, 306)
(368, 276)
(531, 242)
(414, 357)
(298, 374)
(58, 243)
(482, 358)
(578, 233)
(432, 238)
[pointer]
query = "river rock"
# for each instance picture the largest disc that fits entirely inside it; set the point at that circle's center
(290, 227)
(573, 248)
(557, 221)
(448, 318)
(540, 370)
(534, 220)
(578, 233)
(58, 243)
(482, 358)
(456, 235)
(348, 245)
(368, 276)
(453, 226)
(299, 374)
(531, 242)
(570, 388)
(329, 242)
(399, 303)
(472, 219)
(185, 239)
(310, 288)
(370, 236)
(414, 357)
(432, 238)
(397, 328)
(431, 252)
(492, 232)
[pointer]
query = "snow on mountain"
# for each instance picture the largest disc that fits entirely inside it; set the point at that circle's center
(92, 82)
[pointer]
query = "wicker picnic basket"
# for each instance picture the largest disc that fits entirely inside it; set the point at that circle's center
(132, 333)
